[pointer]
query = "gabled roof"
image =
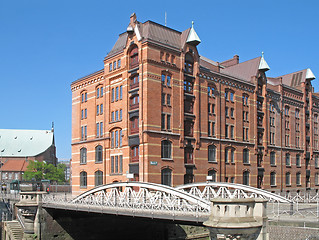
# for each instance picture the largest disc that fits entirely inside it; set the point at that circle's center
(244, 70)
(24, 143)
(157, 33)
(296, 78)
(14, 165)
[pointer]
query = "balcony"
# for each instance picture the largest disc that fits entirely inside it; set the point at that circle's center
(134, 106)
(134, 85)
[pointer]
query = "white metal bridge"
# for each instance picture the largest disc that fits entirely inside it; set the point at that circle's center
(189, 202)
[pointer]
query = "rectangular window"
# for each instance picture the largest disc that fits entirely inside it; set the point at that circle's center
(112, 164)
(116, 164)
(121, 92)
(168, 99)
(213, 128)
(168, 78)
(246, 134)
(213, 108)
(226, 155)
(209, 108)
(97, 92)
(117, 94)
(226, 111)
(119, 63)
(116, 138)
(163, 98)
(112, 117)
(232, 156)
(101, 108)
(85, 113)
(97, 129)
(226, 131)
(163, 122)
(209, 130)
(112, 139)
(116, 115)
(120, 138)
(114, 65)
(101, 129)
(168, 122)
(110, 69)
(97, 109)
(121, 164)
(112, 98)
(101, 91)
(120, 114)
(232, 132)
(82, 113)
(232, 112)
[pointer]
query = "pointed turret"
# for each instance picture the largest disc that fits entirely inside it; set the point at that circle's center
(193, 37)
(263, 66)
(310, 75)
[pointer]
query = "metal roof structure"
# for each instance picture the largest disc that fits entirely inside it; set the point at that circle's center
(24, 143)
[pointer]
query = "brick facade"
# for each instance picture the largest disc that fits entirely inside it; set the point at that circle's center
(165, 114)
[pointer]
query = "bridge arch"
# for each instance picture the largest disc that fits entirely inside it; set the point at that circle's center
(149, 195)
(208, 190)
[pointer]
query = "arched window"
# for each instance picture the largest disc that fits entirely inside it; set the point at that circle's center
(84, 96)
(116, 138)
(246, 178)
(246, 156)
(213, 175)
(211, 91)
(166, 176)
(134, 57)
(211, 153)
(98, 153)
(288, 182)
(98, 178)
(83, 179)
(189, 63)
(298, 178)
(272, 158)
(288, 159)
(83, 155)
(272, 179)
(166, 148)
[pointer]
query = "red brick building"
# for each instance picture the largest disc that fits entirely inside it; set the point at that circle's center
(163, 113)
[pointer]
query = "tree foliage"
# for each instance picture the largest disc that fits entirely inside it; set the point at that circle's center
(38, 171)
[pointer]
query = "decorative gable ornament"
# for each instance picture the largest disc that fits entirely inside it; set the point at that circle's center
(263, 66)
(193, 37)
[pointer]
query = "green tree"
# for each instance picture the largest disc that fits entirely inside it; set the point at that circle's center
(41, 170)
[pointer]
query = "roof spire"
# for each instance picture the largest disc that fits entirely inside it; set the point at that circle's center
(193, 37)
(309, 74)
(263, 64)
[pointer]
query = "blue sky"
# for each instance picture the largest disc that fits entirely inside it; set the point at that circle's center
(45, 45)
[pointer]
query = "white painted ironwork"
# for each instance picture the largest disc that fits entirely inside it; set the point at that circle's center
(189, 202)
(210, 190)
